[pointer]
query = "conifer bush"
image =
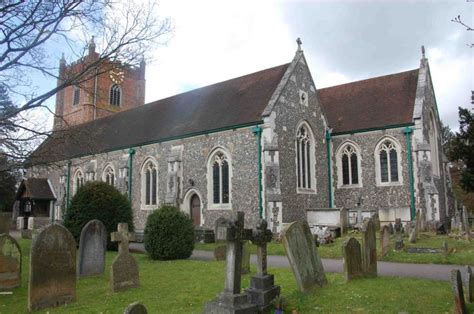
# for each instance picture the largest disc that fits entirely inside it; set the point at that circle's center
(98, 200)
(169, 234)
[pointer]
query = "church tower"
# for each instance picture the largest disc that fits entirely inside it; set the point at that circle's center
(109, 88)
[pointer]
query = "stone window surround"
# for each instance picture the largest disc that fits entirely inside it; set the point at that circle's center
(301, 190)
(210, 198)
(186, 208)
(303, 97)
(119, 91)
(76, 95)
(109, 170)
(339, 151)
(77, 174)
(378, 176)
(143, 205)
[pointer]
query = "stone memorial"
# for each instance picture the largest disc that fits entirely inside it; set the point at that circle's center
(369, 249)
(445, 249)
(468, 282)
(231, 300)
(352, 259)
(384, 240)
(398, 229)
(220, 252)
(52, 279)
(458, 293)
(303, 256)
(10, 263)
(135, 308)
(465, 223)
(415, 228)
(124, 270)
(262, 289)
(390, 228)
(376, 220)
(245, 258)
(92, 248)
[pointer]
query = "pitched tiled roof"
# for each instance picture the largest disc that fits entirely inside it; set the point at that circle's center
(230, 103)
(35, 188)
(373, 103)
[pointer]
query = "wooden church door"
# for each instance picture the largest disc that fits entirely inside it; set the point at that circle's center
(196, 210)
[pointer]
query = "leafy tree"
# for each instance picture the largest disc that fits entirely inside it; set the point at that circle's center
(8, 180)
(446, 137)
(32, 30)
(461, 148)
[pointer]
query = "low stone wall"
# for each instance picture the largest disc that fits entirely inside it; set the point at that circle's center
(331, 217)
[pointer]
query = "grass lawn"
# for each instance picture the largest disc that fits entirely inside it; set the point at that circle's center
(462, 250)
(184, 286)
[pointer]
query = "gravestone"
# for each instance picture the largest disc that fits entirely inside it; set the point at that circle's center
(458, 293)
(445, 249)
(415, 228)
(376, 220)
(231, 300)
(352, 259)
(10, 263)
(468, 282)
(465, 223)
(397, 227)
(124, 270)
(220, 252)
(303, 256)
(384, 240)
(262, 289)
(398, 234)
(390, 228)
(369, 249)
(245, 258)
(5, 222)
(135, 308)
(92, 248)
(52, 279)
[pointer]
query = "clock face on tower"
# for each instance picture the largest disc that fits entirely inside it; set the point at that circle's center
(116, 75)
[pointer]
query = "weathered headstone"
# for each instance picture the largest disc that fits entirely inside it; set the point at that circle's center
(135, 308)
(220, 252)
(415, 228)
(352, 259)
(124, 270)
(465, 223)
(398, 233)
(245, 258)
(369, 249)
(376, 220)
(92, 248)
(397, 227)
(5, 222)
(390, 228)
(10, 263)
(262, 289)
(458, 293)
(52, 280)
(303, 256)
(231, 300)
(384, 240)
(468, 282)
(445, 249)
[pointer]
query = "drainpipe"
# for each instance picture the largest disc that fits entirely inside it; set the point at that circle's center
(328, 144)
(257, 130)
(407, 132)
(131, 152)
(68, 189)
(95, 93)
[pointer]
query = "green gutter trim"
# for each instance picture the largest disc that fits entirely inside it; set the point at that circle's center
(68, 189)
(166, 139)
(328, 144)
(257, 130)
(395, 126)
(131, 152)
(407, 132)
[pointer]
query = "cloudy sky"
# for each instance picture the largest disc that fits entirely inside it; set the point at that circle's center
(343, 41)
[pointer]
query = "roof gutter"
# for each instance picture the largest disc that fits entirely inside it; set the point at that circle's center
(395, 126)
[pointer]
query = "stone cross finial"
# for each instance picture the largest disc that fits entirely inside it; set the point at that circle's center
(261, 236)
(123, 237)
(299, 42)
(423, 51)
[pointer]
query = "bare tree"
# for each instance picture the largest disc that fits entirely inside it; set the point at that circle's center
(29, 30)
(459, 21)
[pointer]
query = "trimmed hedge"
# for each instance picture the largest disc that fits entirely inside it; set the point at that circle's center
(98, 200)
(169, 234)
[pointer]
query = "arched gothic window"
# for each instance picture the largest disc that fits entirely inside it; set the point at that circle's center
(388, 162)
(78, 180)
(433, 138)
(115, 95)
(305, 158)
(219, 168)
(150, 184)
(76, 95)
(109, 175)
(350, 165)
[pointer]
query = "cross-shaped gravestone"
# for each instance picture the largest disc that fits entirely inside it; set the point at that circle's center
(124, 270)
(123, 237)
(262, 290)
(231, 300)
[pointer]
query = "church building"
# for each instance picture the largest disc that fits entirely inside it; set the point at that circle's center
(268, 143)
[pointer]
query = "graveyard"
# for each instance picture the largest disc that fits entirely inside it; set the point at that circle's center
(185, 286)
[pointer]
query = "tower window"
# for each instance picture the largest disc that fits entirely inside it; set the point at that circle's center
(76, 95)
(115, 95)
